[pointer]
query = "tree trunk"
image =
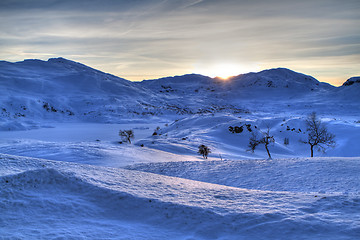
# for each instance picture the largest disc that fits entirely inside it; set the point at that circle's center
(267, 150)
(312, 150)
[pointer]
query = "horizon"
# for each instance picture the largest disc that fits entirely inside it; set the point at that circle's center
(180, 75)
(152, 39)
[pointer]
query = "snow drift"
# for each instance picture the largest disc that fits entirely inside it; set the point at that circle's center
(49, 198)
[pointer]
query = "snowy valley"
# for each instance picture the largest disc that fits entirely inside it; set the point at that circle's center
(65, 173)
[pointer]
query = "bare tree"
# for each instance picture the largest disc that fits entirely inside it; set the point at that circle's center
(266, 139)
(318, 134)
(126, 135)
(204, 151)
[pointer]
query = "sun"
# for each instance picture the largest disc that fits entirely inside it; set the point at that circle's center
(222, 70)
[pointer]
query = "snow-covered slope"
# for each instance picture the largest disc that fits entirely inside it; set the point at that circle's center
(240, 197)
(350, 91)
(351, 81)
(51, 200)
(59, 76)
(285, 89)
(183, 136)
(266, 81)
(60, 89)
(290, 175)
(279, 78)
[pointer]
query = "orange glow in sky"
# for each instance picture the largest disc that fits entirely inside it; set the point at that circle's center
(224, 70)
(150, 39)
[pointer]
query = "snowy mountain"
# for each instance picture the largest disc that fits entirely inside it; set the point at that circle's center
(60, 89)
(66, 172)
(279, 78)
(64, 90)
(244, 93)
(269, 82)
(60, 76)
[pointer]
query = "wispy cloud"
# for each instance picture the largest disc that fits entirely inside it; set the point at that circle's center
(159, 37)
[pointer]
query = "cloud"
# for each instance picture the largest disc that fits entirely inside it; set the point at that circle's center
(169, 37)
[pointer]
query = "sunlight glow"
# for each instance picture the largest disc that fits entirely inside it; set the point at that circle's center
(224, 70)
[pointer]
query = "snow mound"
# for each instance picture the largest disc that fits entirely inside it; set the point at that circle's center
(46, 199)
(327, 175)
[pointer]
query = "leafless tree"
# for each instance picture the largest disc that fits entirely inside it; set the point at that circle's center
(265, 139)
(204, 151)
(126, 135)
(318, 135)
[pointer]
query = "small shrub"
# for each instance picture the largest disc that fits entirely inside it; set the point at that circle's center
(204, 151)
(126, 135)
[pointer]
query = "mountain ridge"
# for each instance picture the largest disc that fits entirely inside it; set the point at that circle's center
(61, 60)
(61, 90)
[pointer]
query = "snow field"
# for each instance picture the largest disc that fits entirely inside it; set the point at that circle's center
(60, 110)
(49, 198)
(184, 135)
(305, 175)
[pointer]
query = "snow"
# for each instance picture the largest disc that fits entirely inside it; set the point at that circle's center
(92, 201)
(89, 143)
(309, 175)
(64, 174)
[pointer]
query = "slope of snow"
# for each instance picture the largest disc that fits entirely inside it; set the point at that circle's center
(351, 81)
(50, 105)
(349, 92)
(308, 175)
(279, 78)
(45, 199)
(184, 136)
(90, 143)
(63, 90)
(59, 76)
(98, 144)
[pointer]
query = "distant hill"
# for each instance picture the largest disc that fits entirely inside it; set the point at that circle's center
(351, 81)
(280, 78)
(62, 90)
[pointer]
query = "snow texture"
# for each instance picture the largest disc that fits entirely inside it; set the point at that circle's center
(57, 199)
(66, 174)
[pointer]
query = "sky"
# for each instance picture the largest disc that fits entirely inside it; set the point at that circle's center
(147, 39)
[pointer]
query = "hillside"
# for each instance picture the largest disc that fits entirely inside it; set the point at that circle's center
(63, 90)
